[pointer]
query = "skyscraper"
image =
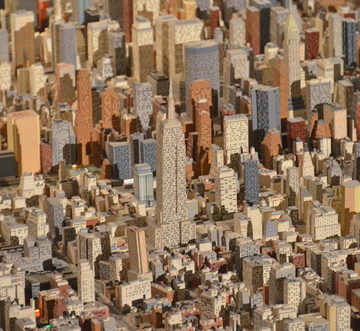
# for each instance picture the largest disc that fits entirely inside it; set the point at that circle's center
(226, 193)
(139, 267)
(251, 180)
(67, 44)
(23, 40)
(37, 79)
(117, 51)
(83, 119)
(265, 112)
(202, 63)
(143, 43)
(97, 37)
(349, 27)
(171, 180)
(4, 42)
(236, 136)
(86, 282)
(292, 55)
(143, 103)
(23, 133)
(163, 37)
(335, 35)
(63, 142)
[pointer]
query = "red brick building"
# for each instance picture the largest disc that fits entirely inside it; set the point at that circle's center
(312, 43)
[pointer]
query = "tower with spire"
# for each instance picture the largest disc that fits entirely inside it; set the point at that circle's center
(292, 55)
(172, 228)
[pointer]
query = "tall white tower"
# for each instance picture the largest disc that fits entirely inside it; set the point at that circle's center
(292, 55)
(171, 180)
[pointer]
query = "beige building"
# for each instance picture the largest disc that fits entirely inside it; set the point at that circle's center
(31, 185)
(97, 39)
(181, 32)
(36, 223)
(128, 292)
(37, 79)
(14, 233)
(12, 283)
(236, 136)
(139, 266)
(256, 271)
(294, 292)
(86, 282)
(162, 39)
(336, 310)
(5, 75)
(322, 221)
(292, 54)
(143, 43)
(225, 189)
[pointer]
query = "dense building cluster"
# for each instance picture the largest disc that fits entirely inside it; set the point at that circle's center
(179, 165)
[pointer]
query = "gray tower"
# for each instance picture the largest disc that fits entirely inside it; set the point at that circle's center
(251, 181)
(63, 142)
(67, 44)
(265, 112)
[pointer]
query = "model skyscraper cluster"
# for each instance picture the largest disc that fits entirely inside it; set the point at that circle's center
(179, 165)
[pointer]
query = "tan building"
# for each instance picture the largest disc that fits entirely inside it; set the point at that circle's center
(256, 271)
(336, 310)
(322, 221)
(36, 223)
(86, 282)
(292, 55)
(162, 39)
(350, 200)
(236, 136)
(143, 44)
(139, 266)
(23, 132)
(226, 191)
(14, 233)
(128, 292)
(23, 38)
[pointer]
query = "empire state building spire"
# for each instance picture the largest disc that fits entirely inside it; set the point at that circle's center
(171, 103)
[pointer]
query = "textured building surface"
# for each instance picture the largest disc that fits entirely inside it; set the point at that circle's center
(349, 42)
(143, 43)
(120, 157)
(226, 193)
(201, 63)
(67, 44)
(236, 136)
(83, 119)
(312, 43)
(63, 142)
(251, 181)
(265, 111)
(143, 103)
(292, 55)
